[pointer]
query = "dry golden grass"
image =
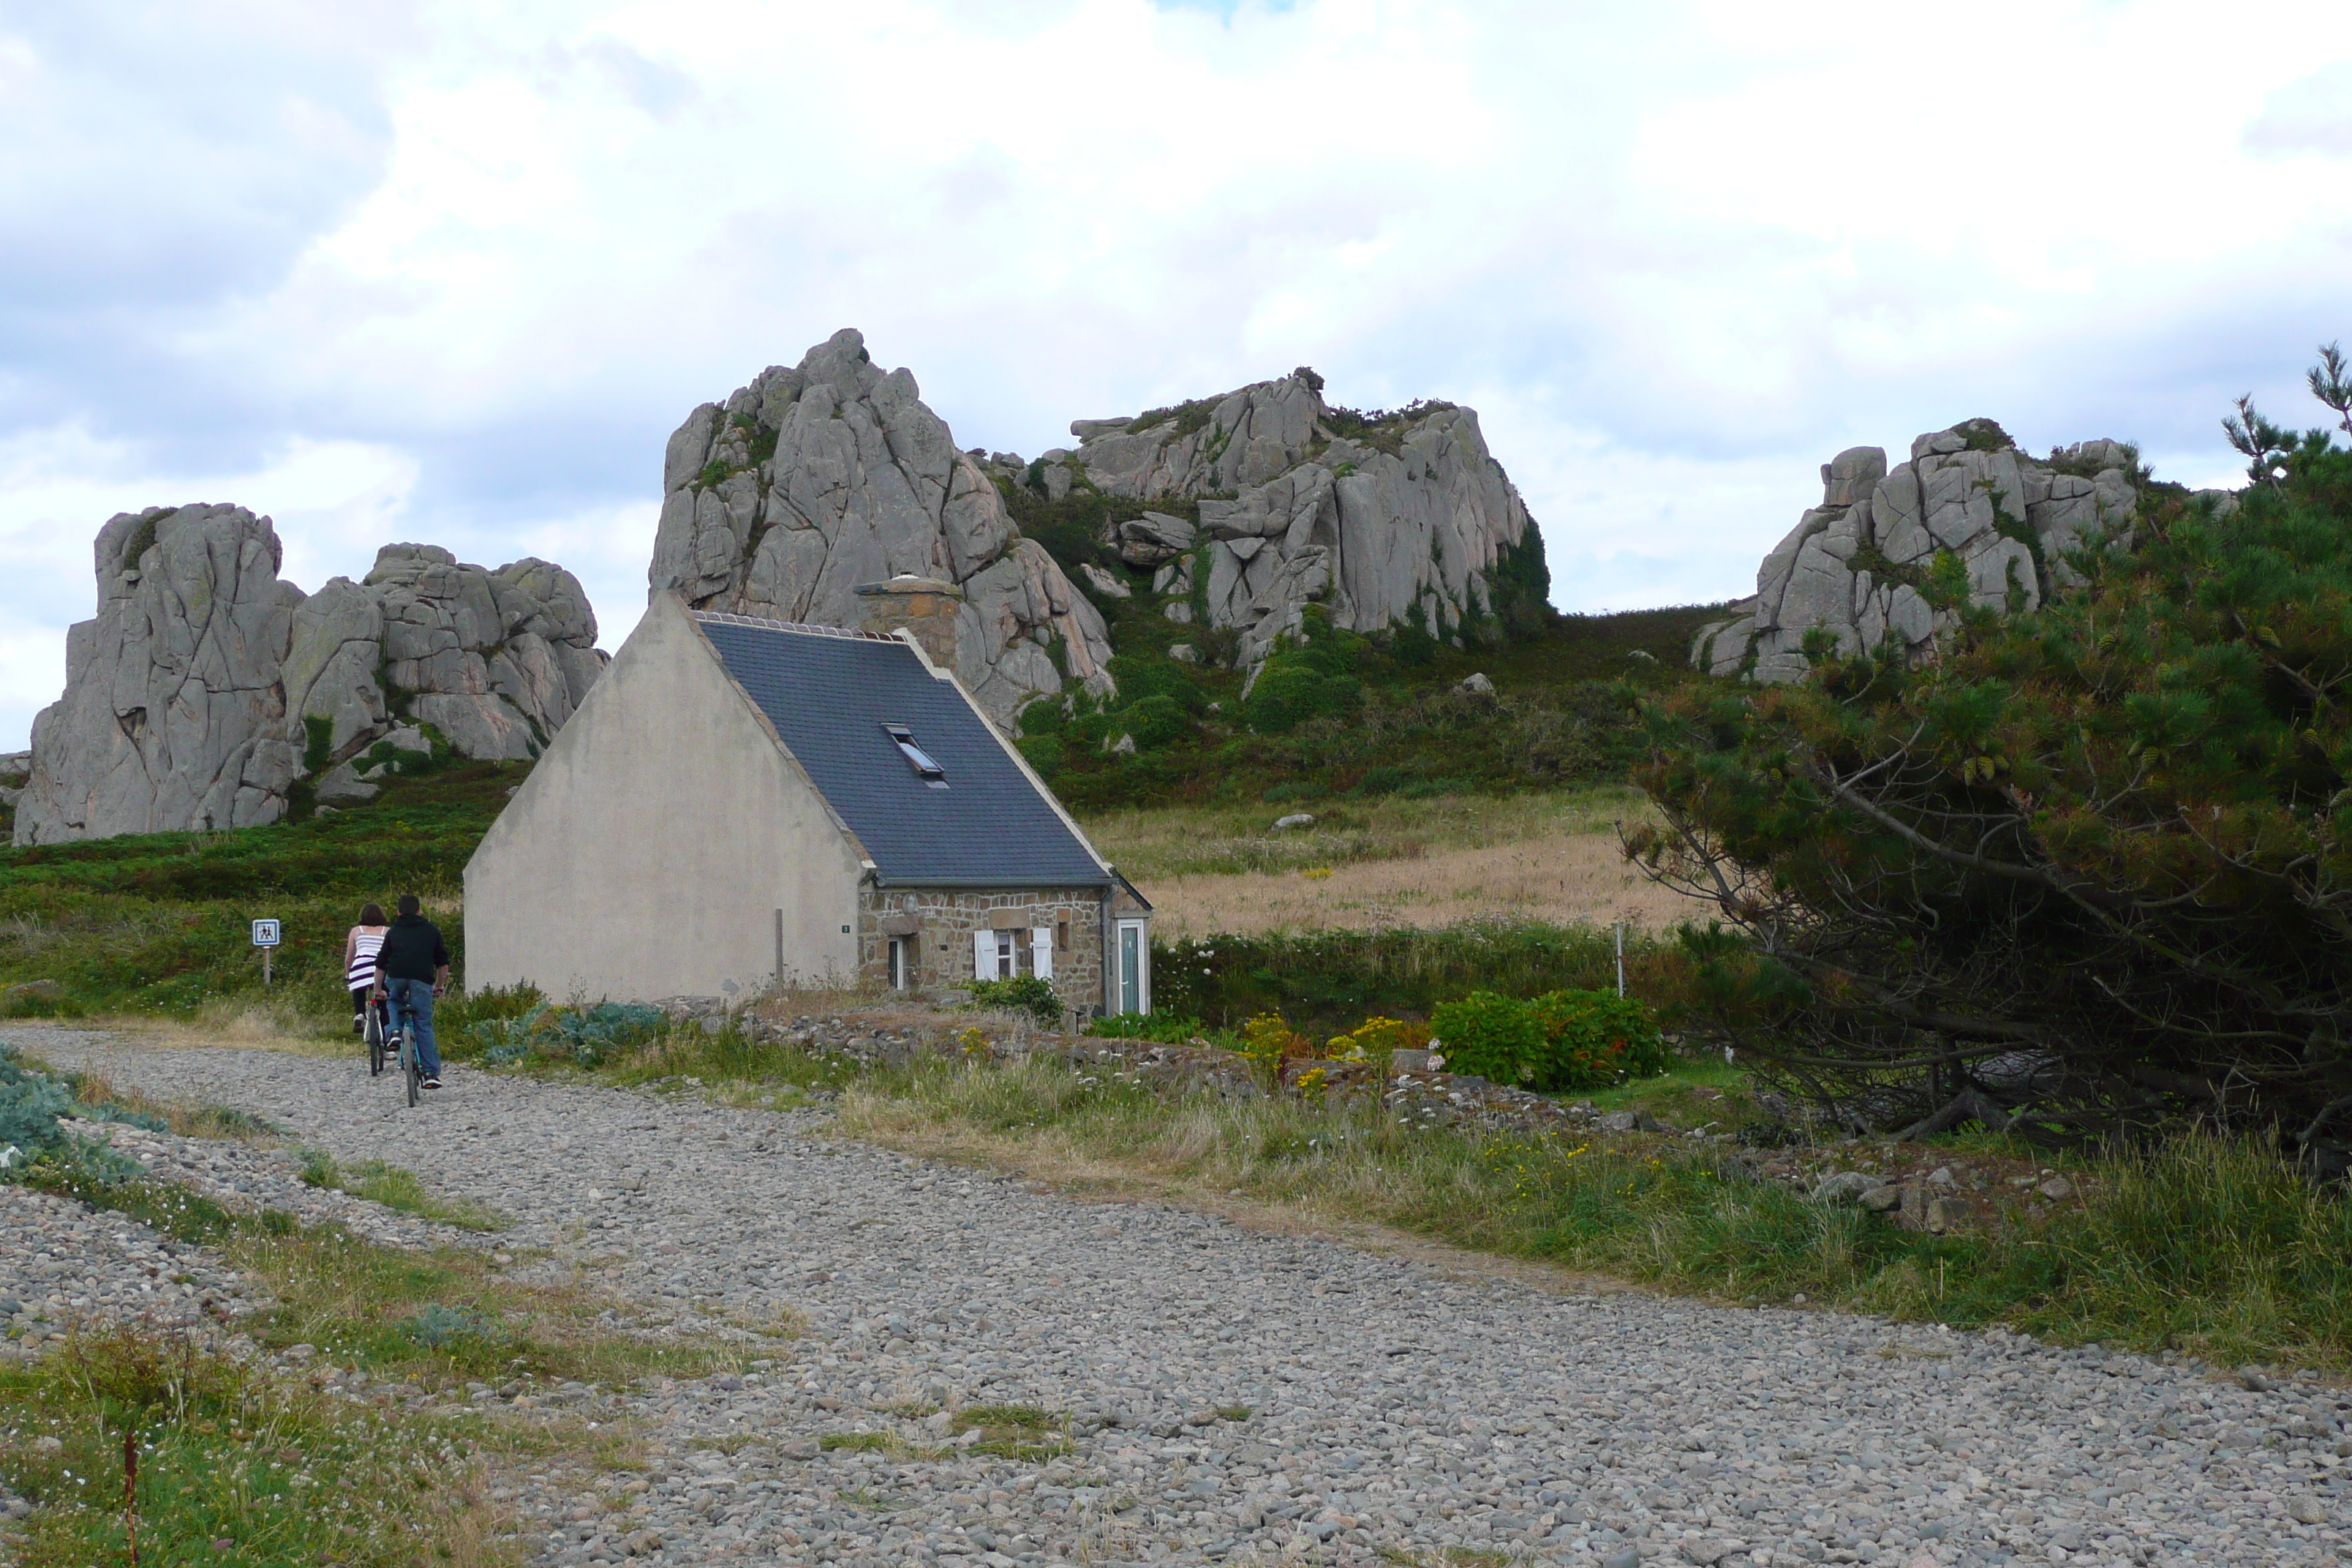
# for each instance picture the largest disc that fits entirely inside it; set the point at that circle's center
(1551, 856)
(267, 1026)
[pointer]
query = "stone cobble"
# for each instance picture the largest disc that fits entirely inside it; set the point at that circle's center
(63, 1265)
(1239, 1395)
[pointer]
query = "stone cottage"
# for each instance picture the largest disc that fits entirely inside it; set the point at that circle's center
(744, 802)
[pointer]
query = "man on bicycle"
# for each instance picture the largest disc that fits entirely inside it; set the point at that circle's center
(410, 969)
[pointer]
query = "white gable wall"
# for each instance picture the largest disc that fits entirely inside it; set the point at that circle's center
(648, 852)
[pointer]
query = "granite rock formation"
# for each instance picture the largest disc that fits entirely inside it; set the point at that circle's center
(206, 686)
(1389, 519)
(812, 480)
(1854, 566)
(174, 715)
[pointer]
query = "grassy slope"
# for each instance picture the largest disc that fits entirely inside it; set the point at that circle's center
(161, 921)
(1555, 719)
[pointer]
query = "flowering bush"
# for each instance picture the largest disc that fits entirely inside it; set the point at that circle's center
(1267, 1040)
(1374, 1038)
(1564, 1039)
(1598, 1038)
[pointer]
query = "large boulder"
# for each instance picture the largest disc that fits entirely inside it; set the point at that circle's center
(815, 480)
(495, 660)
(206, 686)
(173, 710)
(1387, 518)
(1855, 565)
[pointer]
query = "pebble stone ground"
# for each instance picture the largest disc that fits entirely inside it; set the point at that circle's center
(1396, 1412)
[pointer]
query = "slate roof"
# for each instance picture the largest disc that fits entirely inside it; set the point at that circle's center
(829, 694)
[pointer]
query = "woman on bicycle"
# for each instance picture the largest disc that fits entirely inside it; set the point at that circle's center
(359, 950)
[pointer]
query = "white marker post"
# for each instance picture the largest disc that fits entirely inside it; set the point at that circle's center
(1620, 958)
(265, 937)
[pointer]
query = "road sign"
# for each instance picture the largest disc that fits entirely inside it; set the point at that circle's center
(265, 937)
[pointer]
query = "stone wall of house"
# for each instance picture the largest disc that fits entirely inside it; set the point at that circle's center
(943, 920)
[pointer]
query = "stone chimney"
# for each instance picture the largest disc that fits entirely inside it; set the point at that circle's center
(924, 607)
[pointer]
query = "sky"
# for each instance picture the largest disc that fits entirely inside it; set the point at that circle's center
(453, 273)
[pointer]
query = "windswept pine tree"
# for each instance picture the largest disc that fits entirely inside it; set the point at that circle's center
(2076, 872)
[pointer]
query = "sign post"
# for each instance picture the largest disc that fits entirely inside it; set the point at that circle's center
(265, 937)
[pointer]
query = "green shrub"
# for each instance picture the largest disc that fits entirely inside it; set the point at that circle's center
(1027, 993)
(458, 1013)
(585, 1037)
(1327, 979)
(30, 1104)
(1561, 1041)
(1154, 721)
(1387, 780)
(1493, 1037)
(1161, 1028)
(1596, 1039)
(1289, 692)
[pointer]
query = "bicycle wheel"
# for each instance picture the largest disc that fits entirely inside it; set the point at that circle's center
(374, 1042)
(412, 1068)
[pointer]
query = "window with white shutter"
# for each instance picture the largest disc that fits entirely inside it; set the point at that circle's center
(1041, 947)
(984, 955)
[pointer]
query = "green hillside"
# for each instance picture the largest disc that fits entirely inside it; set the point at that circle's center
(1344, 713)
(161, 921)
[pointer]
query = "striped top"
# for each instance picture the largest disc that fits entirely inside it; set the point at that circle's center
(366, 942)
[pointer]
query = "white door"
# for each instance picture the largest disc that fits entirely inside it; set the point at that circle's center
(1134, 968)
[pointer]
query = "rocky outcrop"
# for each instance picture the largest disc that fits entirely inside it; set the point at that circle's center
(207, 686)
(494, 660)
(174, 715)
(781, 501)
(1389, 519)
(1855, 565)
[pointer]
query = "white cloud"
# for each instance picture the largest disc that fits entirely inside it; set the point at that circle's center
(478, 260)
(2310, 115)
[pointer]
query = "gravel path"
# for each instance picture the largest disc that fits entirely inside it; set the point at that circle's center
(1392, 1408)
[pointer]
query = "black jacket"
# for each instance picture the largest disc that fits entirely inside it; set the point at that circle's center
(412, 950)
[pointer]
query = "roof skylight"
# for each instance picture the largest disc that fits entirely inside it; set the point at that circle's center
(929, 771)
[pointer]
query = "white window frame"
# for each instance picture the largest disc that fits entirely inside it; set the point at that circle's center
(1143, 930)
(996, 954)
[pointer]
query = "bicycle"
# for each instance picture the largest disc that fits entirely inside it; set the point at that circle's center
(378, 1032)
(411, 1068)
(397, 1042)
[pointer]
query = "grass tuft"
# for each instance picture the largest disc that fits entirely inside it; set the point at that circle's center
(235, 1467)
(397, 1188)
